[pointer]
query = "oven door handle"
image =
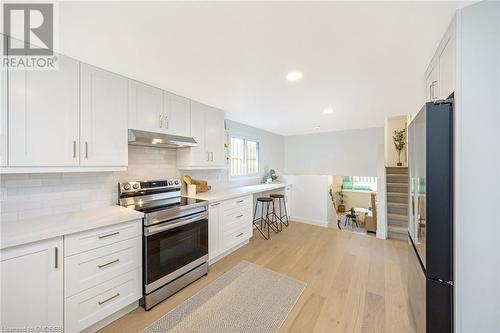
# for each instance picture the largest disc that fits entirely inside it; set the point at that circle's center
(148, 231)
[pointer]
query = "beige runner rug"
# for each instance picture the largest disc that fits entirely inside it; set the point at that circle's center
(248, 298)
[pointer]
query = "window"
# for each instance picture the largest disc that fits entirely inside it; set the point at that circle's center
(359, 183)
(244, 158)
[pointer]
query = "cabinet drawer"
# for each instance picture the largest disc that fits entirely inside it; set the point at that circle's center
(233, 237)
(240, 202)
(237, 218)
(92, 239)
(88, 307)
(88, 269)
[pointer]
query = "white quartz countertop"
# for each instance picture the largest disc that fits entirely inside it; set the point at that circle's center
(27, 231)
(213, 196)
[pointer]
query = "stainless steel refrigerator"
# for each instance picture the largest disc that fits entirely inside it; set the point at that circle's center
(430, 227)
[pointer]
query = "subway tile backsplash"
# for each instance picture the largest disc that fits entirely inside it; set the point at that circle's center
(27, 196)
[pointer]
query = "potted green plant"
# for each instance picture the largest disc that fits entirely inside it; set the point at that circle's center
(399, 139)
(341, 195)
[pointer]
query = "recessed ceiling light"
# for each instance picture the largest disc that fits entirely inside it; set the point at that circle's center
(317, 128)
(328, 111)
(294, 76)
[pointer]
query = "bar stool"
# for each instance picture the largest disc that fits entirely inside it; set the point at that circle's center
(283, 218)
(264, 220)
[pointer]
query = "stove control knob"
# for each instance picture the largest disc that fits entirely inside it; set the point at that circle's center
(170, 183)
(176, 182)
(135, 186)
(126, 187)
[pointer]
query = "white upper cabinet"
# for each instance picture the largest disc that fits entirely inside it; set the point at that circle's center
(154, 110)
(145, 107)
(32, 285)
(3, 111)
(207, 128)
(214, 136)
(447, 68)
(103, 119)
(177, 114)
(440, 77)
(44, 115)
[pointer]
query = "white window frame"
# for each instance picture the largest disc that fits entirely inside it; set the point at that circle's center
(245, 139)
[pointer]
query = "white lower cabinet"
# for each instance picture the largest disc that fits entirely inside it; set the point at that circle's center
(230, 224)
(32, 285)
(92, 305)
(102, 273)
(88, 269)
(71, 283)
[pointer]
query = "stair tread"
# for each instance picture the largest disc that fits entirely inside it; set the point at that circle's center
(397, 204)
(397, 184)
(399, 194)
(397, 216)
(398, 229)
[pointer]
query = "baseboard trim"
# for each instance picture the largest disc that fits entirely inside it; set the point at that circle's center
(319, 223)
(381, 234)
(227, 252)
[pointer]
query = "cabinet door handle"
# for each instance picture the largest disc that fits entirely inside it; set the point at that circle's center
(208, 156)
(212, 156)
(109, 235)
(108, 263)
(161, 121)
(239, 235)
(166, 122)
(109, 299)
(74, 149)
(86, 149)
(239, 216)
(240, 201)
(56, 257)
(215, 204)
(433, 90)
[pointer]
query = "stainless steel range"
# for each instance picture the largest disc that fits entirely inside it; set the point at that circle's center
(175, 236)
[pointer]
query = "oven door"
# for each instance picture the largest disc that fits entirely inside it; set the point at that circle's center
(173, 248)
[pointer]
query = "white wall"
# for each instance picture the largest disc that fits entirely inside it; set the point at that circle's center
(352, 152)
(380, 199)
(272, 156)
(309, 199)
(391, 154)
(477, 169)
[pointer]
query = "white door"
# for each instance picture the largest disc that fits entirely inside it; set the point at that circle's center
(214, 136)
(32, 285)
(198, 154)
(447, 69)
(103, 118)
(43, 115)
(3, 111)
(177, 114)
(214, 217)
(145, 107)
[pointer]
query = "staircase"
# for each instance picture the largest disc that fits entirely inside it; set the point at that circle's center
(397, 202)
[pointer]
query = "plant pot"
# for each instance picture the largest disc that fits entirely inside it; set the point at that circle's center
(341, 208)
(400, 164)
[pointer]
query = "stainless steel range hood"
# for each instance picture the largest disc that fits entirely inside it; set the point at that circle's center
(161, 140)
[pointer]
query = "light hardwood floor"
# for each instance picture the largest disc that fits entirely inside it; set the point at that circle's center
(355, 283)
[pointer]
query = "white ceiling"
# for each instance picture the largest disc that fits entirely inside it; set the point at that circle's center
(366, 60)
